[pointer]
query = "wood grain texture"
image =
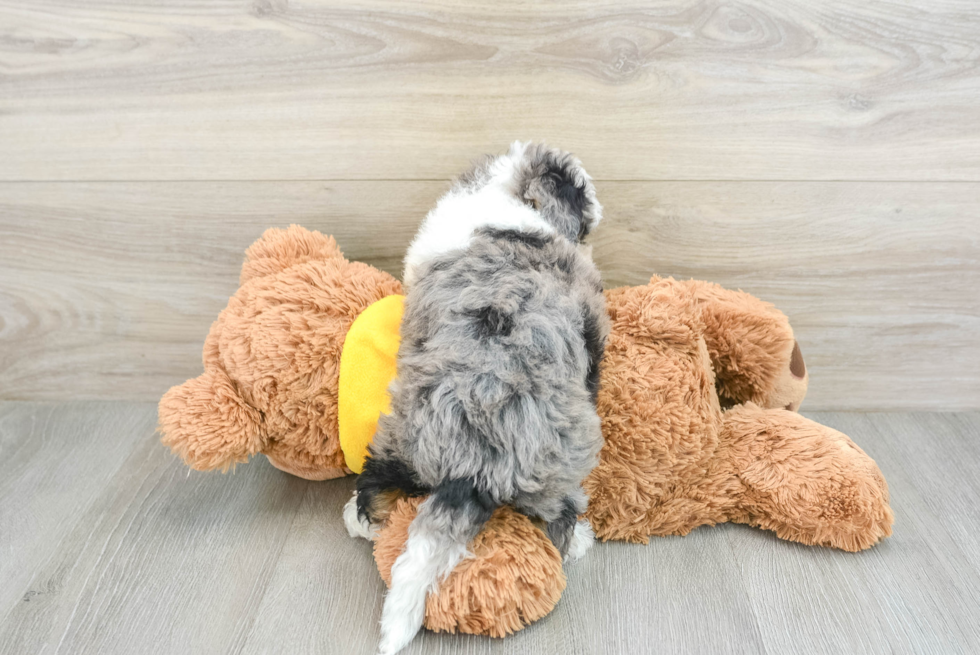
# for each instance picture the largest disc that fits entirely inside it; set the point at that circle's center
(371, 89)
(161, 561)
(883, 600)
(111, 288)
(150, 559)
(55, 462)
(107, 290)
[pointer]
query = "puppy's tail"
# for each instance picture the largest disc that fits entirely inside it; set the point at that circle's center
(437, 539)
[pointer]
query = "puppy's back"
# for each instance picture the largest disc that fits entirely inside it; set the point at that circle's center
(494, 365)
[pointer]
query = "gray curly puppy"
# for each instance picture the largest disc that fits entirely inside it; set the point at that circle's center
(498, 369)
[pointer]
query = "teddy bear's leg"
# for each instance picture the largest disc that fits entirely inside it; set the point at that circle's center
(803, 480)
(513, 578)
(753, 351)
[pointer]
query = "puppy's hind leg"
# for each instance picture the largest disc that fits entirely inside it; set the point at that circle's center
(582, 539)
(356, 525)
(382, 482)
(570, 536)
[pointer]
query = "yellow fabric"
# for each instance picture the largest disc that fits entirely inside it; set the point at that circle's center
(367, 366)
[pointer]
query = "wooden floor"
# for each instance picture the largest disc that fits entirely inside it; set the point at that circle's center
(109, 545)
(822, 155)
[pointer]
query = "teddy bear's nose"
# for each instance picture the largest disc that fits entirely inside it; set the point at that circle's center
(796, 364)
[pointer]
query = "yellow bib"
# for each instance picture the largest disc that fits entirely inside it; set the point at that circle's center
(367, 367)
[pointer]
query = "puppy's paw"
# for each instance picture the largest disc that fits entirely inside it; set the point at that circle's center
(356, 526)
(582, 540)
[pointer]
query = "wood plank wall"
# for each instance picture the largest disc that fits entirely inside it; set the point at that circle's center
(822, 155)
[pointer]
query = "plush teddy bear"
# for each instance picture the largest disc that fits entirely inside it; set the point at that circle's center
(272, 360)
(697, 399)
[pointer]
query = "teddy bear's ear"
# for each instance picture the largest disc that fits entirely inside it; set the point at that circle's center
(279, 249)
(207, 423)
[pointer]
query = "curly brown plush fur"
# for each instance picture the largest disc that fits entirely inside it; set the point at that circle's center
(673, 459)
(514, 578)
(272, 359)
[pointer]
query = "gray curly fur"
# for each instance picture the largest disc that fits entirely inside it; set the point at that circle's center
(498, 366)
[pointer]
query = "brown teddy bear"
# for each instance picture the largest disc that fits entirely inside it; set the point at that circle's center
(698, 396)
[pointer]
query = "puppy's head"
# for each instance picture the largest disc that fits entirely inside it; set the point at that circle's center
(549, 180)
(554, 183)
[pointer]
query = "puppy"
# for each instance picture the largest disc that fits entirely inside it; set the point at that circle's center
(498, 370)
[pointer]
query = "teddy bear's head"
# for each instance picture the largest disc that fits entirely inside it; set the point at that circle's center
(754, 353)
(272, 360)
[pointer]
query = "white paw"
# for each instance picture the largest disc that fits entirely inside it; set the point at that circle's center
(582, 540)
(357, 527)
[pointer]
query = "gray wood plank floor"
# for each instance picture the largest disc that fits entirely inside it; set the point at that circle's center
(109, 545)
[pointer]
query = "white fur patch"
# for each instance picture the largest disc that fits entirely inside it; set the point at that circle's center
(582, 541)
(356, 527)
(450, 225)
(428, 558)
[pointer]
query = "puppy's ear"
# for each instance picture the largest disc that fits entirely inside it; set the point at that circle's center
(554, 182)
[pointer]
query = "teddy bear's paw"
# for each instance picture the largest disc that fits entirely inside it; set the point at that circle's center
(356, 526)
(582, 540)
